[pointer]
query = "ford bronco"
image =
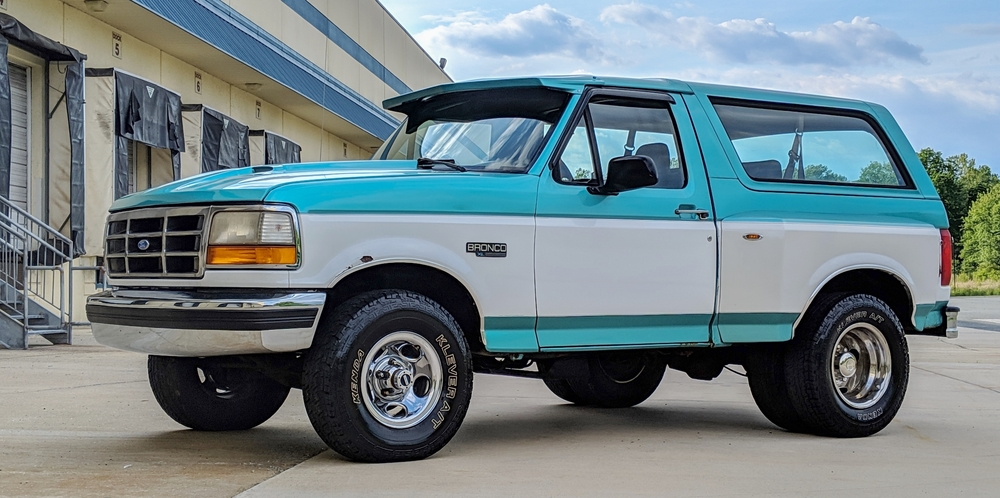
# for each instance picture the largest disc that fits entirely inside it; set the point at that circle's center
(589, 232)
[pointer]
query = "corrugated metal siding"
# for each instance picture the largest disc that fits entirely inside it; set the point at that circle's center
(19, 107)
(227, 30)
(313, 16)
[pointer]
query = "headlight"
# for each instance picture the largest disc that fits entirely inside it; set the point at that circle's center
(252, 238)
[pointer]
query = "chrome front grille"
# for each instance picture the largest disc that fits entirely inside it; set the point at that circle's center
(157, 242)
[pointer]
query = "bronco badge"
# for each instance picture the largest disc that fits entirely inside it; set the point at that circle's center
(487, 249)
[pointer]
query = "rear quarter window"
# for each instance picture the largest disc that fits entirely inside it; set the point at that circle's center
(809, 145)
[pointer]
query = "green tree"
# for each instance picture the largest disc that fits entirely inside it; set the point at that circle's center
(821, 173)
(878, 173)
(944, 174)
(981, 237)
(975, 179)
(960, 182)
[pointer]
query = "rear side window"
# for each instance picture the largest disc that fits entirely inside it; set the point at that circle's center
(793, 145)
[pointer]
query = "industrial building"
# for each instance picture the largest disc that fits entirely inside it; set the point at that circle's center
(100, 98)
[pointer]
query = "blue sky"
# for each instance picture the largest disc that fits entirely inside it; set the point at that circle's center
(934, 64)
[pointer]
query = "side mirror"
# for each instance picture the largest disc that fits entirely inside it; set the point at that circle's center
(627, 173)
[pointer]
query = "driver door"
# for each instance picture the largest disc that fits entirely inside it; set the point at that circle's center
(633, 269)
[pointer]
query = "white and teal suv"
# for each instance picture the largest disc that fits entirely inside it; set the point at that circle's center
(587, 232)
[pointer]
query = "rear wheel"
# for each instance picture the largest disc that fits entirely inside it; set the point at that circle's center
(618, 379)
(848, 373)
(766, 376)
(210, 394)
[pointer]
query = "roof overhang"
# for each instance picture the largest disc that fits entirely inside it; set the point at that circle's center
(202, 33)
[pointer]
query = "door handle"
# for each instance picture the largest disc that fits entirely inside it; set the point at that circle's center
(702, 214)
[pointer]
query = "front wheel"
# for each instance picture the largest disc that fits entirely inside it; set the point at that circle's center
(213, 394)
(389, 378)
(848, 369)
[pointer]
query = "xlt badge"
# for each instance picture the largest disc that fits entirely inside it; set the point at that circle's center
(487, 249)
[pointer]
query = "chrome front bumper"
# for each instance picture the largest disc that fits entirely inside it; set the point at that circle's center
(205, 323)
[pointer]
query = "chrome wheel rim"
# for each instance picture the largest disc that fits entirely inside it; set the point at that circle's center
(403, 380)
(861, 366)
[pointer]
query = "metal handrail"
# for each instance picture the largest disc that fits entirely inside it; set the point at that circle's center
(43, 253)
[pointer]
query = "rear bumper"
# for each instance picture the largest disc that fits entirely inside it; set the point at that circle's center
(205, 323)
(949, 324)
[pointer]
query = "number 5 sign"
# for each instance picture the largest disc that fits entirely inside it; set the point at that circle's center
(116, 44)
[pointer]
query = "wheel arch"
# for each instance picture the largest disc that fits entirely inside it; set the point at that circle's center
(882, 282)
(423, 277)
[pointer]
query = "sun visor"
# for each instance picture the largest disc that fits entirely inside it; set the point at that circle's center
(543, 104)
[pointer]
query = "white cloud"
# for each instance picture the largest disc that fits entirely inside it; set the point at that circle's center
(857, 42)
(539, 31)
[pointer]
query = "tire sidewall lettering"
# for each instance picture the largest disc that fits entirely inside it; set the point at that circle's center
(427, 325)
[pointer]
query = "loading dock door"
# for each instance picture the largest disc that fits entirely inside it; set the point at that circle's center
(19, 113)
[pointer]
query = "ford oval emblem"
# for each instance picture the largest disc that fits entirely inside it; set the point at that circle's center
(143, 245)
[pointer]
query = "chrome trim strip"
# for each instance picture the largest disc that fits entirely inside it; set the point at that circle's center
(153, 339)
(146, 299)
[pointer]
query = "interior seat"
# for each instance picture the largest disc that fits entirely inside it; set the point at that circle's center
(666, 177)
(763, 170)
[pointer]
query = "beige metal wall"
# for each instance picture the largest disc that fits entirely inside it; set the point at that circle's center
(366, 22)
(70, 23)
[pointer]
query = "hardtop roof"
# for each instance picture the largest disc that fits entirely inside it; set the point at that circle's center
(577, 83)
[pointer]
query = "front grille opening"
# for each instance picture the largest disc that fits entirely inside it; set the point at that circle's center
(152, 244)
(144, 265)
(116, 265)
(117, 227)
(116, 246)
(182, 264)
(182, 243)
(184, 223)
(142, 225)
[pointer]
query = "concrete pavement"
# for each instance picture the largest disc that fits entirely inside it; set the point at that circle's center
(81, 421)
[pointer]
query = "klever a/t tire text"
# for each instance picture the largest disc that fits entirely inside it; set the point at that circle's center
(388, 378)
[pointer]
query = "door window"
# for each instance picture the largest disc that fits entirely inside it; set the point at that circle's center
(622, 127)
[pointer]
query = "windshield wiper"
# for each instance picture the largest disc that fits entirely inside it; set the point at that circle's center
(428, 163)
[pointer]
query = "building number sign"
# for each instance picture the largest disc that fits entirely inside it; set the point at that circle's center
(197, 82)
(116, 45)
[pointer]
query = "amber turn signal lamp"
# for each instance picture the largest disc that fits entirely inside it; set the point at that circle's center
(251, 255)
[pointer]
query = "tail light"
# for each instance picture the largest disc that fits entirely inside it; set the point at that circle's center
(945, 257)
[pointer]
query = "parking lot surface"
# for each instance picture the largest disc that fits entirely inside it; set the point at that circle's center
(81, 421)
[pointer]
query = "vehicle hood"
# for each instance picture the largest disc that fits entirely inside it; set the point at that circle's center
(252, 184)
(356, 186)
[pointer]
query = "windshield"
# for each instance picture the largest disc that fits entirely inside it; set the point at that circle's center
(501, 129)
(496, 144)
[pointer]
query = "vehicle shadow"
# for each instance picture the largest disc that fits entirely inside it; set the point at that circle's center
(277, 445)
(653, 422)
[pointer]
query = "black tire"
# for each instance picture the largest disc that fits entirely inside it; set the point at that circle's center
(619, 379)
(335, 379)
(809, 367)
(766, 376)
(206, 395)
(562, 389)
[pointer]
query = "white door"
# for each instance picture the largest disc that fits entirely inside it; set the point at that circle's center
(20, 110)
(627, 269)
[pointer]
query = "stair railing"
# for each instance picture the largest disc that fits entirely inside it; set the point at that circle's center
(36, 268)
